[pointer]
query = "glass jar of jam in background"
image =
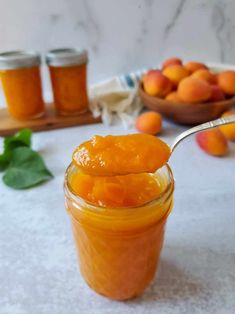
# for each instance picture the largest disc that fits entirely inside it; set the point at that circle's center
(119, 248)
(68, 72)
(21, 82)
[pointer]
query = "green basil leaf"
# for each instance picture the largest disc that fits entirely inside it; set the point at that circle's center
(4, 161)
(21, 138)
(26, 169)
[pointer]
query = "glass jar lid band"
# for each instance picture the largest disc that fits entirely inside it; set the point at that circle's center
(66, 57)
(19, 59)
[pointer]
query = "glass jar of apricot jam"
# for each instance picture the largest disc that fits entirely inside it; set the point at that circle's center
(119, 246)
(68, 72)
(21, 82)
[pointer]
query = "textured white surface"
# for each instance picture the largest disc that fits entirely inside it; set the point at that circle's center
(38, 266)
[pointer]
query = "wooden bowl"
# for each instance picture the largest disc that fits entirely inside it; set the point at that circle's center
(185, 113)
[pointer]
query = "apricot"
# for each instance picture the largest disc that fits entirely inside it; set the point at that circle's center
(213, 142)
(176, 73)
(193, 90)
(229, 129)
(156, 84)
(171, 61)
(149, 72)
(216, 93)
(149, 122)
(216, 78)
(205, 75)
(120, 155)
(193, 66)
(173, 97)
(226, 80)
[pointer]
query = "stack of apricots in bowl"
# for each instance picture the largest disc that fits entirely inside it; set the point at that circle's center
(188, 93)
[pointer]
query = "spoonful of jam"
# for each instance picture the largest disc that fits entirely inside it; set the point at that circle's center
(121, 155)
(131, 154)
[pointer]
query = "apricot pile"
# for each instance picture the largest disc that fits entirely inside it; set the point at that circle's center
(190, 83)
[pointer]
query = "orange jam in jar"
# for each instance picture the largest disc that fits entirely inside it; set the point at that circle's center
(21, 82)
(118, 221)
(68, 72)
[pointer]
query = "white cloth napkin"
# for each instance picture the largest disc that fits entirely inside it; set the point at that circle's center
(113, 99)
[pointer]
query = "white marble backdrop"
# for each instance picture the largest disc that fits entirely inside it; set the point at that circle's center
(122, 35)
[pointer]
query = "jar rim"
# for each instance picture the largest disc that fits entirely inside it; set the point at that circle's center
(164, 195)
(66, 57)
(16, 59)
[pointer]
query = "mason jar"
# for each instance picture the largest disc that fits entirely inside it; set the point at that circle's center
(21, 83)
(119, 248)
(68, 73)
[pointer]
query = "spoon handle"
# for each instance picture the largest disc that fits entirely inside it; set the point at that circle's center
(202, 127)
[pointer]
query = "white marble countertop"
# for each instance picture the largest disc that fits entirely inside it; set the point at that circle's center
(38, 266)
(122, 36)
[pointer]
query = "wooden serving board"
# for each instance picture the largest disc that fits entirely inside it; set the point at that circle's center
(51, 120)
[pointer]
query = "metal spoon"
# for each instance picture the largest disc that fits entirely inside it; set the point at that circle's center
(202, 127)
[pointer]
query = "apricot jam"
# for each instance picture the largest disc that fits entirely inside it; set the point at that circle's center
(118, 224)
(120, 155)
(68, 72)
(21, 82)
(119, 191)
